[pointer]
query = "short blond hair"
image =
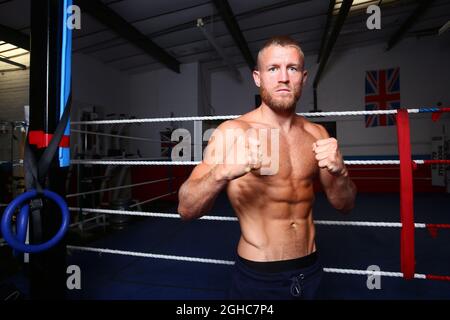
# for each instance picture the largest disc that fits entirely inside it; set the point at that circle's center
(282, 41)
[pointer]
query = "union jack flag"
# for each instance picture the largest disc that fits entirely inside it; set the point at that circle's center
(382, 93)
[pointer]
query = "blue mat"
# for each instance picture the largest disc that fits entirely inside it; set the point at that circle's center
(110, 276)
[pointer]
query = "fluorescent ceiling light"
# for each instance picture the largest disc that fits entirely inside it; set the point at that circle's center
(9, 53)
(361, 4)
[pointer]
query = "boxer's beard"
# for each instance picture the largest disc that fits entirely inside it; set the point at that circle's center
(280, 103)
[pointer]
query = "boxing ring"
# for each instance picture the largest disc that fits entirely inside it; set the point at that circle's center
(406, 227)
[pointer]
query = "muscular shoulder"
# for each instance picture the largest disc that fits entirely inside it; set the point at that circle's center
(226, 130)
(234, 124)
(235, 127)
(316, 130)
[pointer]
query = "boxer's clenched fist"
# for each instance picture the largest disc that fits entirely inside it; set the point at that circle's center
(328, 156)
(242, 158)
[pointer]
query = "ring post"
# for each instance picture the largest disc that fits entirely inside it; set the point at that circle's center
(406, 196)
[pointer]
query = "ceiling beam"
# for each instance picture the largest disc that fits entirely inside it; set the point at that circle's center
(233, 28)
(327, 26)
(409, 22)
(116, 23)
(14, 37)
(342, 15)
(187, 25)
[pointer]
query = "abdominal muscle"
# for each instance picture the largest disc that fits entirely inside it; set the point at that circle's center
(276, 222)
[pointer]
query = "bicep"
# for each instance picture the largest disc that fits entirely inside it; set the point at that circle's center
(212, 155)
(215, 152)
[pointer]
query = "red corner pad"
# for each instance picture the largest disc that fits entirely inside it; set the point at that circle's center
(42, 140)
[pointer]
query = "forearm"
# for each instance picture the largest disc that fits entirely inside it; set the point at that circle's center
(196, 197)
(342, 193)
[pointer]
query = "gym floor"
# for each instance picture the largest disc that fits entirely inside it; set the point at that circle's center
(110, 276)
(107, 276)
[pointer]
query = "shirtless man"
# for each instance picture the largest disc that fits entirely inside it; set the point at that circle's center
(277, 256)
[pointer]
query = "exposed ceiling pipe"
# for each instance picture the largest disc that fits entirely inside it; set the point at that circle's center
(235, 72)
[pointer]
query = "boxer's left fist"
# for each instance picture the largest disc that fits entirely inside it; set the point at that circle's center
(328, 156)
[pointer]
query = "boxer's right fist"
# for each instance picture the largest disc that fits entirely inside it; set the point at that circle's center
(244, 155)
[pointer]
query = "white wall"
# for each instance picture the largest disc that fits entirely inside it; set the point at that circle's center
(161, 93)
(153, 94)
(424, 81)
(230, 97)
(93, 83)
(96, 84)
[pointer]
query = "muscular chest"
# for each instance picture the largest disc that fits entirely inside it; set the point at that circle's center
(296, 160)
(296, 169)
(292, 182)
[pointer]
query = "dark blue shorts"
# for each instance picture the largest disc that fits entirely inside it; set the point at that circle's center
(296, 279)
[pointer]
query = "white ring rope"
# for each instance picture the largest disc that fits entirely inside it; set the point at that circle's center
(181, 163)
(225, 218)
(152, 199)
(118, 136)
(201, 118)
(389, 178)
(229, 262)
(148, 120)
(135, 162)
(167, 141)
(353, 113)
(149, 214)
(116, 188)
(366, 224)
(369, 272)
(82, 222)
(152, 255)
(378, 162)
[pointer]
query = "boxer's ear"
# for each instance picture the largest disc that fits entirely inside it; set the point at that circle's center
(256, 78)
(305, 76)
